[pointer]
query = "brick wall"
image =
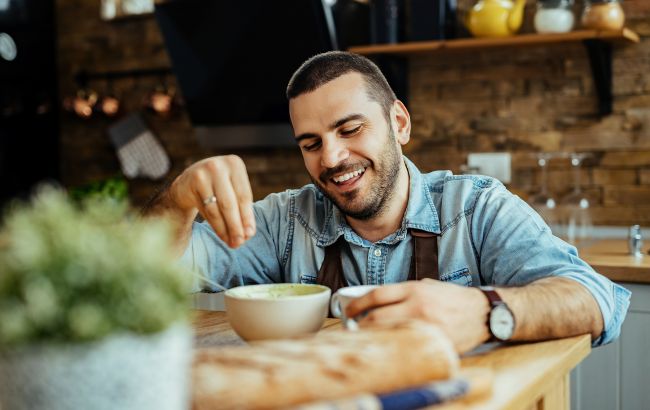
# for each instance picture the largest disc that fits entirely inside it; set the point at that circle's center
(523, 100)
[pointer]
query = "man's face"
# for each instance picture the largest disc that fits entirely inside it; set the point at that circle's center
(348, 145)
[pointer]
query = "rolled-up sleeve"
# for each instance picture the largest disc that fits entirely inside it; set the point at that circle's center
(516, 247)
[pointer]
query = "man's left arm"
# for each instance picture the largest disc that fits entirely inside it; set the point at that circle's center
(548, 308)
(551, 292)
(551, 308)
(517, 251)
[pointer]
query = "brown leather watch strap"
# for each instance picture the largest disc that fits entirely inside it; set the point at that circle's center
(492, 295)
(496, 303)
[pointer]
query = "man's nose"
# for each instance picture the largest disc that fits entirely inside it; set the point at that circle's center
(333, 152)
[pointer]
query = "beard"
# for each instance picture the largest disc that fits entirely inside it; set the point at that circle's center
(353, 203)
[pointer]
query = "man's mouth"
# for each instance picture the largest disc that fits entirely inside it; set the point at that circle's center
(349, 177)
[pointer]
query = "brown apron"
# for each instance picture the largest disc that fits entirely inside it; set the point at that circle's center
(424, 261)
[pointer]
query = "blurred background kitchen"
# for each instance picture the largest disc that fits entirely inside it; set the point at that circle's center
(117, 96)
(515, 100)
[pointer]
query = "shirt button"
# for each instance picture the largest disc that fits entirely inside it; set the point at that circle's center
(377, 252)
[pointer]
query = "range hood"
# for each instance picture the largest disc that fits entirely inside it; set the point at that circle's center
(233, 60)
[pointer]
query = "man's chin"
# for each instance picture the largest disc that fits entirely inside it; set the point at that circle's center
(355, 208)
(350, 202)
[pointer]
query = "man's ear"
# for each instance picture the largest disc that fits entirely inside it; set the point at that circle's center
(402, 122)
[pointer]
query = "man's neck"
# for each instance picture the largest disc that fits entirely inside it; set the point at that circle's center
(390, 218)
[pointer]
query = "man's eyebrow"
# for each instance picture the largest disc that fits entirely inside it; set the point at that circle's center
(347, 118)
(334, 125)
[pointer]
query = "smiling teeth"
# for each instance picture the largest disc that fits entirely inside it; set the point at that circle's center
(345, 177)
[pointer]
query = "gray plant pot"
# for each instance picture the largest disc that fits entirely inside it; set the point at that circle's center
(125, 371)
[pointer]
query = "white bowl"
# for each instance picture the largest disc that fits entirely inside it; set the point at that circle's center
(277, 310)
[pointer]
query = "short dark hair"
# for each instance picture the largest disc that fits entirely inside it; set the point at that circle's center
(325, 67)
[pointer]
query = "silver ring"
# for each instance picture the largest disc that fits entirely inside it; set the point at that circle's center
(210, 200)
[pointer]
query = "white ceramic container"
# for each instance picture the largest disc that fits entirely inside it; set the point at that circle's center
(275, 311)
(124, 371)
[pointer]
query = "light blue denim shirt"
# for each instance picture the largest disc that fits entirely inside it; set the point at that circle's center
(487, 236)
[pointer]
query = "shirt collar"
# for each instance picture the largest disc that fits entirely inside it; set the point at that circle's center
(420, 214)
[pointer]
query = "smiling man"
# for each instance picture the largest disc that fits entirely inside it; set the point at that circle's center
(460, 251)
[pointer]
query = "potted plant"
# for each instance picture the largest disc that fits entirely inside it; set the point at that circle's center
(93, 308)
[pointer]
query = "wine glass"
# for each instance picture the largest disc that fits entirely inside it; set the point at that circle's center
(576, 205)
(543, 202)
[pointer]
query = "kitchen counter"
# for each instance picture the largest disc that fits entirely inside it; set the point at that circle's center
(610, 257)
(527, 375)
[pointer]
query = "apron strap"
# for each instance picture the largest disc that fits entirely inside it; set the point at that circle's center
(424, 259)
(331, 271)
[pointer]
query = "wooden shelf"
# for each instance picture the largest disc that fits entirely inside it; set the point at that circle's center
(599, 46)
(472, 44)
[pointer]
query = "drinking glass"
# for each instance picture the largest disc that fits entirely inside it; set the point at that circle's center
(543, 202)
(576, 205)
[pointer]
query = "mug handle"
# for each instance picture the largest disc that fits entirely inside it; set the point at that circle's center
(335, 306)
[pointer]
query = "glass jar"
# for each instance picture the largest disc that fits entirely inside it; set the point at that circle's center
(554, 16)
(603, 15)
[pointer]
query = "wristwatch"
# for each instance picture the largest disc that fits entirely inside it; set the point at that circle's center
(501, 320)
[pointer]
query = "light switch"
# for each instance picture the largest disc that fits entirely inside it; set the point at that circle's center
(494, 164)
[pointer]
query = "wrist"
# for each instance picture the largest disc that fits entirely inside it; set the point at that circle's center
(482, 307)
(500, 319)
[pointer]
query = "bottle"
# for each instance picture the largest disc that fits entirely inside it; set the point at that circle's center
(603, 15)
(635, 241)
(554, 16)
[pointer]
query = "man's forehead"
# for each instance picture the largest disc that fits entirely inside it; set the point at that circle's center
(344, 86)
(338, 97)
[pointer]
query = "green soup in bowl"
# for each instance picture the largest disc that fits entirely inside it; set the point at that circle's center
(278, 310)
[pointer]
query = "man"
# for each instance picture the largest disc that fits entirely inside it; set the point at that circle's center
(370, 217)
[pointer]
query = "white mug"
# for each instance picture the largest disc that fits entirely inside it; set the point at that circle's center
(342, 298)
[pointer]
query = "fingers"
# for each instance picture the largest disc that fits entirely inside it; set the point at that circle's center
(385, 295)
(235, 201)
(244, 194)
(396, 311)
(231, 215)
(202, 188)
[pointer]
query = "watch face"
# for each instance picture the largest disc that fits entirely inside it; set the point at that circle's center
(502, 322)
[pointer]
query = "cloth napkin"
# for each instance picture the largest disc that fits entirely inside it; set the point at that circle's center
(408, 399)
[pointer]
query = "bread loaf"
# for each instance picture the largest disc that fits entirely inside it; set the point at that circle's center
(335, 364)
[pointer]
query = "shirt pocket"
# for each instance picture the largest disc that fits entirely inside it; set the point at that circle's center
(307, 278)
(460, 277)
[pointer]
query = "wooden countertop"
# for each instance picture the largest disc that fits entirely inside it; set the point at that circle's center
(530, 375)
(610, 257)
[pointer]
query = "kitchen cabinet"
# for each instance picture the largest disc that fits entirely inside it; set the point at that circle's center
(611, 258)
(616, 376)
(598, 44)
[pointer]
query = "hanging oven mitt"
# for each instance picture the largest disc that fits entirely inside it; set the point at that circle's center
(138, 150)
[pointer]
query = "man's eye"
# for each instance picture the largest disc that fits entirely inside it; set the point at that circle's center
(351, 131)
(311, 147)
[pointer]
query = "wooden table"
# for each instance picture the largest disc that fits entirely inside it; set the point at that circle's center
(610, 257)
(526, 376)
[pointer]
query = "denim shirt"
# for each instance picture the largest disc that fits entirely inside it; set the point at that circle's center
(487, 236)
